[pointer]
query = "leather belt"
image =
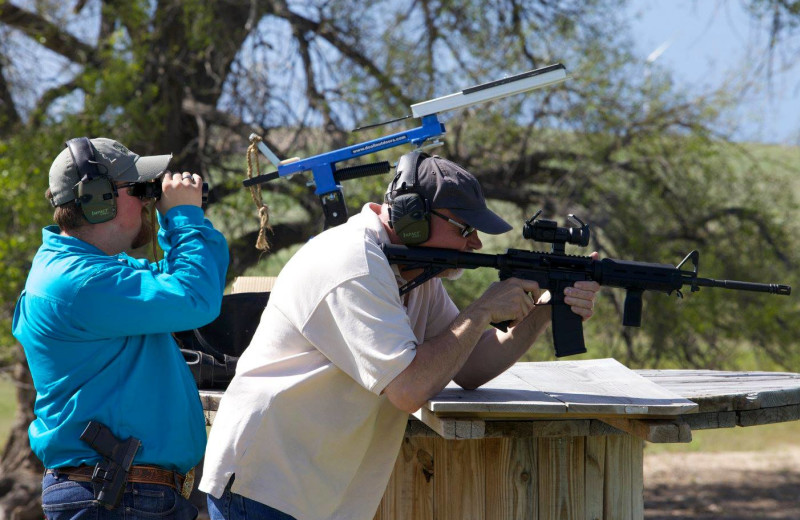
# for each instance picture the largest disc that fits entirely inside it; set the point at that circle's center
(137, 474)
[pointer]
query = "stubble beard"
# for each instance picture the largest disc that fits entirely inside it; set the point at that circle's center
(145, 234)
(453, 274)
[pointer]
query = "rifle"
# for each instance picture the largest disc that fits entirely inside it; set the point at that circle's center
(556, 271)
(323, 166)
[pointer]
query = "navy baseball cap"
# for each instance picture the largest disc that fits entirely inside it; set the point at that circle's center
(446, 185)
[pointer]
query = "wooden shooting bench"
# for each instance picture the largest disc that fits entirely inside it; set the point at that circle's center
(562, 440)
(558, 440)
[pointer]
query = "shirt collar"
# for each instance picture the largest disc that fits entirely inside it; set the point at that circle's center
(374, 224)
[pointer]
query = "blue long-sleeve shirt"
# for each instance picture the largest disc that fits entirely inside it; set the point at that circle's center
(96, 330)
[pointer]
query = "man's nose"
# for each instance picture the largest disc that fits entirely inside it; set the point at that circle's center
(474, 241)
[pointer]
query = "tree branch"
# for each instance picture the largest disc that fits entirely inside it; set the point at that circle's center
(48, 98)
(316, 100)
(328, 32)
(9, 116)
(47, 34)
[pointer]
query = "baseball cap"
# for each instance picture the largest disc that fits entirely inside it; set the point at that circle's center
(114, 160)
(446, 185)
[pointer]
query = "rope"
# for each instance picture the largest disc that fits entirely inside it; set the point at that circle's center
(255, 192)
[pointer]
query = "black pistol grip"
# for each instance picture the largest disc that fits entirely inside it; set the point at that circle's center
(110, 474)
(567, 331)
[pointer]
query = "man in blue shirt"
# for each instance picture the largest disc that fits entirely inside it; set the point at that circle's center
(96, 327)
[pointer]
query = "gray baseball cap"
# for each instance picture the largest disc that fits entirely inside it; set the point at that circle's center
(446, 185)
(113, 160)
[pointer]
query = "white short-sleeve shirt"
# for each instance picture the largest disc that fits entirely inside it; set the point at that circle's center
(303, 425)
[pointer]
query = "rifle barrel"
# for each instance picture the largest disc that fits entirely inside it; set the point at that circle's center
(771, 288)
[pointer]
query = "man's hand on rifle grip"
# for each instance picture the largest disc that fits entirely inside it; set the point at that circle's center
(508, 300)
(580, 297)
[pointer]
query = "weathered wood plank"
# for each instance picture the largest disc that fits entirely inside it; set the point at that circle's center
(716, 390)
(510, 479)
(710, 420)
(637, 478)
(768, 415)
(618, 478)
(448, 428)
(416, 428)
(601, 386)
(657, 431)
(595, 452)
(244, 284)
(505, 394)
(592, 387)
(561, 482)
(409, 493)
(210, 399)
(597, 427)
(459, 480)
(544, 428)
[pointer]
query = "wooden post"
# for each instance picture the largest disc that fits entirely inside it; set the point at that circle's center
(409, 493)
(511, 477)
(562, 478)
(530, 478)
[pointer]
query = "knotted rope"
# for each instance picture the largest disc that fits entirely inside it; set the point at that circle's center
(255, 192)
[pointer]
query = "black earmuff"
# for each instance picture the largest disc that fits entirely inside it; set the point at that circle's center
(95, 193)
(409, 214)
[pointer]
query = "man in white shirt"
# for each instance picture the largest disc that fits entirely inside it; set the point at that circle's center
(312, 423)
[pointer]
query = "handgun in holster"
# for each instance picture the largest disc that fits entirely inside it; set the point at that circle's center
(111, 474)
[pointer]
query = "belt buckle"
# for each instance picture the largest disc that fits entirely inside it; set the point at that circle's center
(188, 484)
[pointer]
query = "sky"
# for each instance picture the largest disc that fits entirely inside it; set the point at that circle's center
(702, 41)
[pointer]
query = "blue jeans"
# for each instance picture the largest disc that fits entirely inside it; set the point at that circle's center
(64, 499)
(232, 506)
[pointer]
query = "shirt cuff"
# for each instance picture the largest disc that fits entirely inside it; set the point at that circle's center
(181, 216)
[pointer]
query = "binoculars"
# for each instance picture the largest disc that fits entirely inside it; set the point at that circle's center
(152, 190)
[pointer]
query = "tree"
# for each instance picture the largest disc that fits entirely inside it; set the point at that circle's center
(196, 78)
(783, 19)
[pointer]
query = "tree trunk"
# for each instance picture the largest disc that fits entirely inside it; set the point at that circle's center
(20, 470)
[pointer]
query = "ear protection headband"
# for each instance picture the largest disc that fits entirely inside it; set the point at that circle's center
(95, 194)
(409, 212)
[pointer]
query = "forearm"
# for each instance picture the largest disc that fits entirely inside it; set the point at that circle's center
(440, 359)
(437, 361)
(496, 351)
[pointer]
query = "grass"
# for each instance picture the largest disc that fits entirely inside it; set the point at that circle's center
(8, 407)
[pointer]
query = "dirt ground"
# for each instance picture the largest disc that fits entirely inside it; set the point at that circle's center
(728, 485)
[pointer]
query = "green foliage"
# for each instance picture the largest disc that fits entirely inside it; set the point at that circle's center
(23, 182)
(618, 144)
(8, 406)
(731, 203)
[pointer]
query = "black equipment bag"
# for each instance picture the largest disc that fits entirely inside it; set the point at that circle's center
(212, 351)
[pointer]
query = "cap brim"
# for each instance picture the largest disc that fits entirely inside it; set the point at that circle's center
(484, 220)
(146, 168)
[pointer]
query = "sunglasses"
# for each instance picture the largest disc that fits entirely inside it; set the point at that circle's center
(465, 230)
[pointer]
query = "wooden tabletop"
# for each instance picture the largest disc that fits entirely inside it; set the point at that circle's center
(727, 399)
(602, 397)
(556, 389)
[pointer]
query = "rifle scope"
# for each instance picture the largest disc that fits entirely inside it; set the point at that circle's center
(548, 231)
